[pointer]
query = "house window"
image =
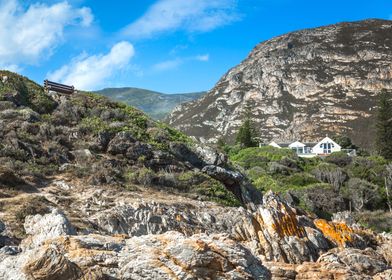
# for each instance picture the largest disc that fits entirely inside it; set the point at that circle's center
(327, 148)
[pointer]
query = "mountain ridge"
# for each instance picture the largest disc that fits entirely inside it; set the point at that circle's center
(155, 104)
(302, 85)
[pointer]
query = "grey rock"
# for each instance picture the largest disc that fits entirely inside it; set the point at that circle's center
(297, 84)
(43, 227)
(120, 143)
(197, 257)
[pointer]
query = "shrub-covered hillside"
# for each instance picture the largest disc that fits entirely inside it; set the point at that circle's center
(88, 136)
(323, 186)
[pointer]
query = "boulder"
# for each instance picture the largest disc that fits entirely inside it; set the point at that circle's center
(139, 150)
(50, 264)
(236, 183)
(367, 261)
(172, 255)
(120, 143)
(43, 227)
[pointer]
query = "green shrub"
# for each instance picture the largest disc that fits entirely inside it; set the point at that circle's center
(339, 158)
(93, 125)
(299, 179)
(215, 191)
(251, 157)
(267, 182)
(378, 221)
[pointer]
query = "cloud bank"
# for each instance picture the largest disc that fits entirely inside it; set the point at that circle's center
(175, 63)
(91, 72)
(186, 15)
(29, 34)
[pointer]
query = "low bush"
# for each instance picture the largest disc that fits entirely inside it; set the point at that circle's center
(251, 157)
(340, 159)
(378, 221)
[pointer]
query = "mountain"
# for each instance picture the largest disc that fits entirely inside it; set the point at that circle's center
(155, 104)
(301, 85)
(95, 189)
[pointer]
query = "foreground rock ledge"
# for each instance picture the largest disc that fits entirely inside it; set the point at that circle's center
(276, 241)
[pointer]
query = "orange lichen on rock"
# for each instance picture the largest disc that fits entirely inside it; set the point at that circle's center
(286, 224)
(338, 233)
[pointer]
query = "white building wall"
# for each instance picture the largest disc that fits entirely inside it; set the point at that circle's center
(332, 147)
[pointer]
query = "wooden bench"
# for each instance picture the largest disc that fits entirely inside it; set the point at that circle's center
(52, 86)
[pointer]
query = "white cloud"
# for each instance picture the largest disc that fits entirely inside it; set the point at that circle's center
(10, 67)
(91, 72)
(175, 63)
(204, 57)
(28, 34)
(188, 15)
(168, 64)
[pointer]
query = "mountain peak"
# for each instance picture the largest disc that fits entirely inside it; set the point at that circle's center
(301, 85)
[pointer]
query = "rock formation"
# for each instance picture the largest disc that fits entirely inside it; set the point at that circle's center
(301, 85)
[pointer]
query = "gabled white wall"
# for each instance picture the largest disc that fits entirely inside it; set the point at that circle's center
(296, 144)
(274, 144)
(319, 150)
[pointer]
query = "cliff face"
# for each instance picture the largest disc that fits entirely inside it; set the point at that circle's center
(301, 85)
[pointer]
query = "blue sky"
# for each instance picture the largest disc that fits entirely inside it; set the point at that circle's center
(170, 46)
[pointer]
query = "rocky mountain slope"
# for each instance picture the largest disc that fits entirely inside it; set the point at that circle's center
(93, 189)
(155, 104)
(300, 85)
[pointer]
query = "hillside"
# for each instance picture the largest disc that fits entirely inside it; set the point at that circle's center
(95, 189)
(300, 85)
(155, 104)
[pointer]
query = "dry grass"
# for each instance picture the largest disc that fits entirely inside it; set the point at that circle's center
(14, 211)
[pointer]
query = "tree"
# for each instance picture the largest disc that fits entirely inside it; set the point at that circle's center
(384, 125)
(361, 193)
(246, 134)
(345, 142)
(388, 186)
(330, 174)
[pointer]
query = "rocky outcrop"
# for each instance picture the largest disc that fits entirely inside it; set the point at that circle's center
(41, 228)
(202, 257)
(184, 240)
(300, 85)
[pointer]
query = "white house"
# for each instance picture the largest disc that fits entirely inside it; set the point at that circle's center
(274, 144)
(298, 147)
(324, 147)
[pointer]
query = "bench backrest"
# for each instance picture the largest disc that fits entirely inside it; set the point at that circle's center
(58, 87)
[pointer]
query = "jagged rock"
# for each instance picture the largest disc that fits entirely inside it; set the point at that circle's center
(200, 256)
(101, 141)
(340, 234)
(236, 183)
(344, 217)
(284, 236)
(154, 218)
(297, 85)
(43, 227)
(2, 227)
(367, 261)
(385, 275)
(49, 264)
(138, 150)
(120, 143)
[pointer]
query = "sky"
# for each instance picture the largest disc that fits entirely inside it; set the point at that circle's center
(170, 46)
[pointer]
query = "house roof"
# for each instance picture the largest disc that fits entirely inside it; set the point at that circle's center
(297, 144)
